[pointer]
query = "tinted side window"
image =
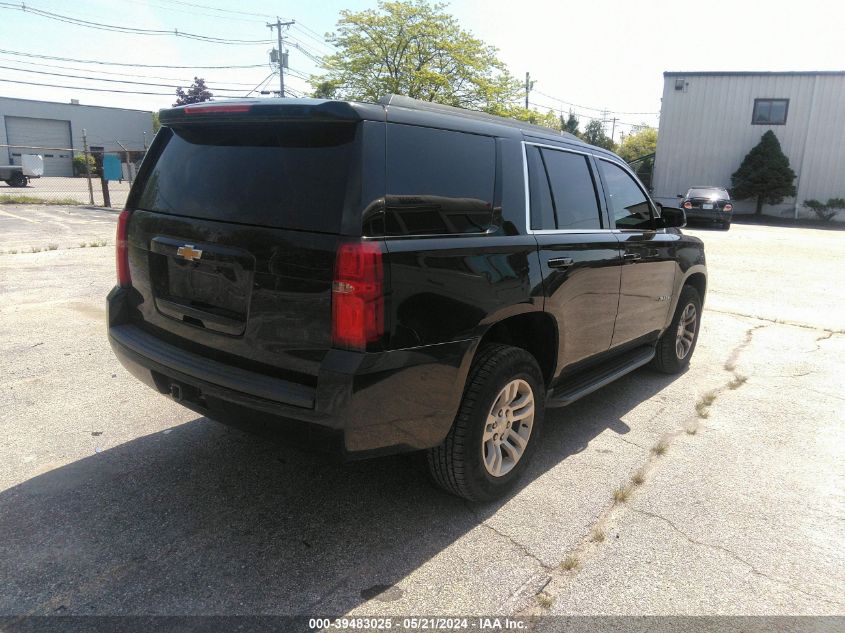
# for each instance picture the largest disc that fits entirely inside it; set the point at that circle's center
(628, 203)
(540, 196)
(573, 190)
(438, 181)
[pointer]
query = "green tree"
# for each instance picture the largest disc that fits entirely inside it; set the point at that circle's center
(197, 93)
(414, 48)
(764, 174)
(826, 211)
(325, 90)
(640, 142)
(570, 124)
(156, 122)
(594, 135)
(549, 119)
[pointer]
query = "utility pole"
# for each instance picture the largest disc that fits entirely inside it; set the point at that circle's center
(283, 60)
(87, 166)
(613, 128)
(528, 85)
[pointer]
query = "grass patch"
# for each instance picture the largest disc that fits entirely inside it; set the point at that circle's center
(660, 448)
(34, 249)
(19, 199)
(621, 494)
(597, 535)
(52, 247)
(730, 365)
(709, 398)
(83, 244)
(14, 251)
(569, 563)
(737, 381)
(691, 429)
(702, 410)
(545, 600)
(638, 479)
(96, 244)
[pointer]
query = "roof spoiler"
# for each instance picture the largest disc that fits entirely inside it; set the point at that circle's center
(259, 110)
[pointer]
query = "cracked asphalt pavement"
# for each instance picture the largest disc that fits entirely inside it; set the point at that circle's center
(114, 500)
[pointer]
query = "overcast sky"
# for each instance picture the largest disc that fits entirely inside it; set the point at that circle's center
(584, 56)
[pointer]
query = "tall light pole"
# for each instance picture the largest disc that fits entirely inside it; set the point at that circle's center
(282, 57)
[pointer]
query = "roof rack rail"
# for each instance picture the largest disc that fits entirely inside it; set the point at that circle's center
(401, 101)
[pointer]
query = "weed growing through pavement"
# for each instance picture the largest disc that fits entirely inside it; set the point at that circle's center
(660, 448)
(737, 382)
(545, 600)
(569, 563)
(597, 535)
(621, 494)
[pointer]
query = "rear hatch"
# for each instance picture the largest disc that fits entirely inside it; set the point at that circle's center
(236, 220)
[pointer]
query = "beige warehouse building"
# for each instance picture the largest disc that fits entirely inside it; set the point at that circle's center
(710, 120)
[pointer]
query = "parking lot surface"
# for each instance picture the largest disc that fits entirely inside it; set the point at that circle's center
(115, 500)
(75, 189)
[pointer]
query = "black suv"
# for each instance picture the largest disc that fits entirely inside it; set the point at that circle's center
(400, 276)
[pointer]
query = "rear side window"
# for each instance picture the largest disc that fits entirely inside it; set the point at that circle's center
(573, 191)
(562, 190)
(628, 203)
(282, 175)
(438, 181)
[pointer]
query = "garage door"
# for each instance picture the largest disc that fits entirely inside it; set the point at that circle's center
(25, 132)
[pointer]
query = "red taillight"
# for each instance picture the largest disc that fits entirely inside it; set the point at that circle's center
(358, 295)
(728, 207)
(687, 205)
(217, 109)
(122, 249)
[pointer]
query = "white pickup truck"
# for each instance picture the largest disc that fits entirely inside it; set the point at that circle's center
(32, 166)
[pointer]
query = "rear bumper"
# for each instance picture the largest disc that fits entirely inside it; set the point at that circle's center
(709, 215)
(363, 403)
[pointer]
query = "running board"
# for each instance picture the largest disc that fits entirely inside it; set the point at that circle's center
(596, 378)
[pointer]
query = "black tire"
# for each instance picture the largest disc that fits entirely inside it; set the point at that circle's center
(457, 465)
(17, 180)
(726, 225)
(667, 359)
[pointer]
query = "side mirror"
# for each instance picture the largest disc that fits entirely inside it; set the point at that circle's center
(679, 195)
(671, 218)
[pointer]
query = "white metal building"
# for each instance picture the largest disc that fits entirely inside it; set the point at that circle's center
(710, 120)
(26, 124)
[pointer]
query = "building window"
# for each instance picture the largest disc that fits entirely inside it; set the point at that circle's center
(770, 111)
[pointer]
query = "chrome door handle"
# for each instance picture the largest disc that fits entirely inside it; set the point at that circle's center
(560, 262)
(632, 257)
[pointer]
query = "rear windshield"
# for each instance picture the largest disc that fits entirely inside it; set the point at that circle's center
(713, 194)
(284, 175)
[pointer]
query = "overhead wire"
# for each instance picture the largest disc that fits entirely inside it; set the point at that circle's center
(124, 74)
(128, 29)
(105, 63)
(121, 81)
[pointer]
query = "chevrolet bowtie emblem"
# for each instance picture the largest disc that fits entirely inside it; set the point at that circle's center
(189, 252)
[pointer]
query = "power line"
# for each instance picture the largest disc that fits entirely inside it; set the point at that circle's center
(147, 3)
(127, 29)
(99, 62)
(106, 72)
(205, 6)
(588, 107)
(131, 92)
(119, 81)
(261, 84)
